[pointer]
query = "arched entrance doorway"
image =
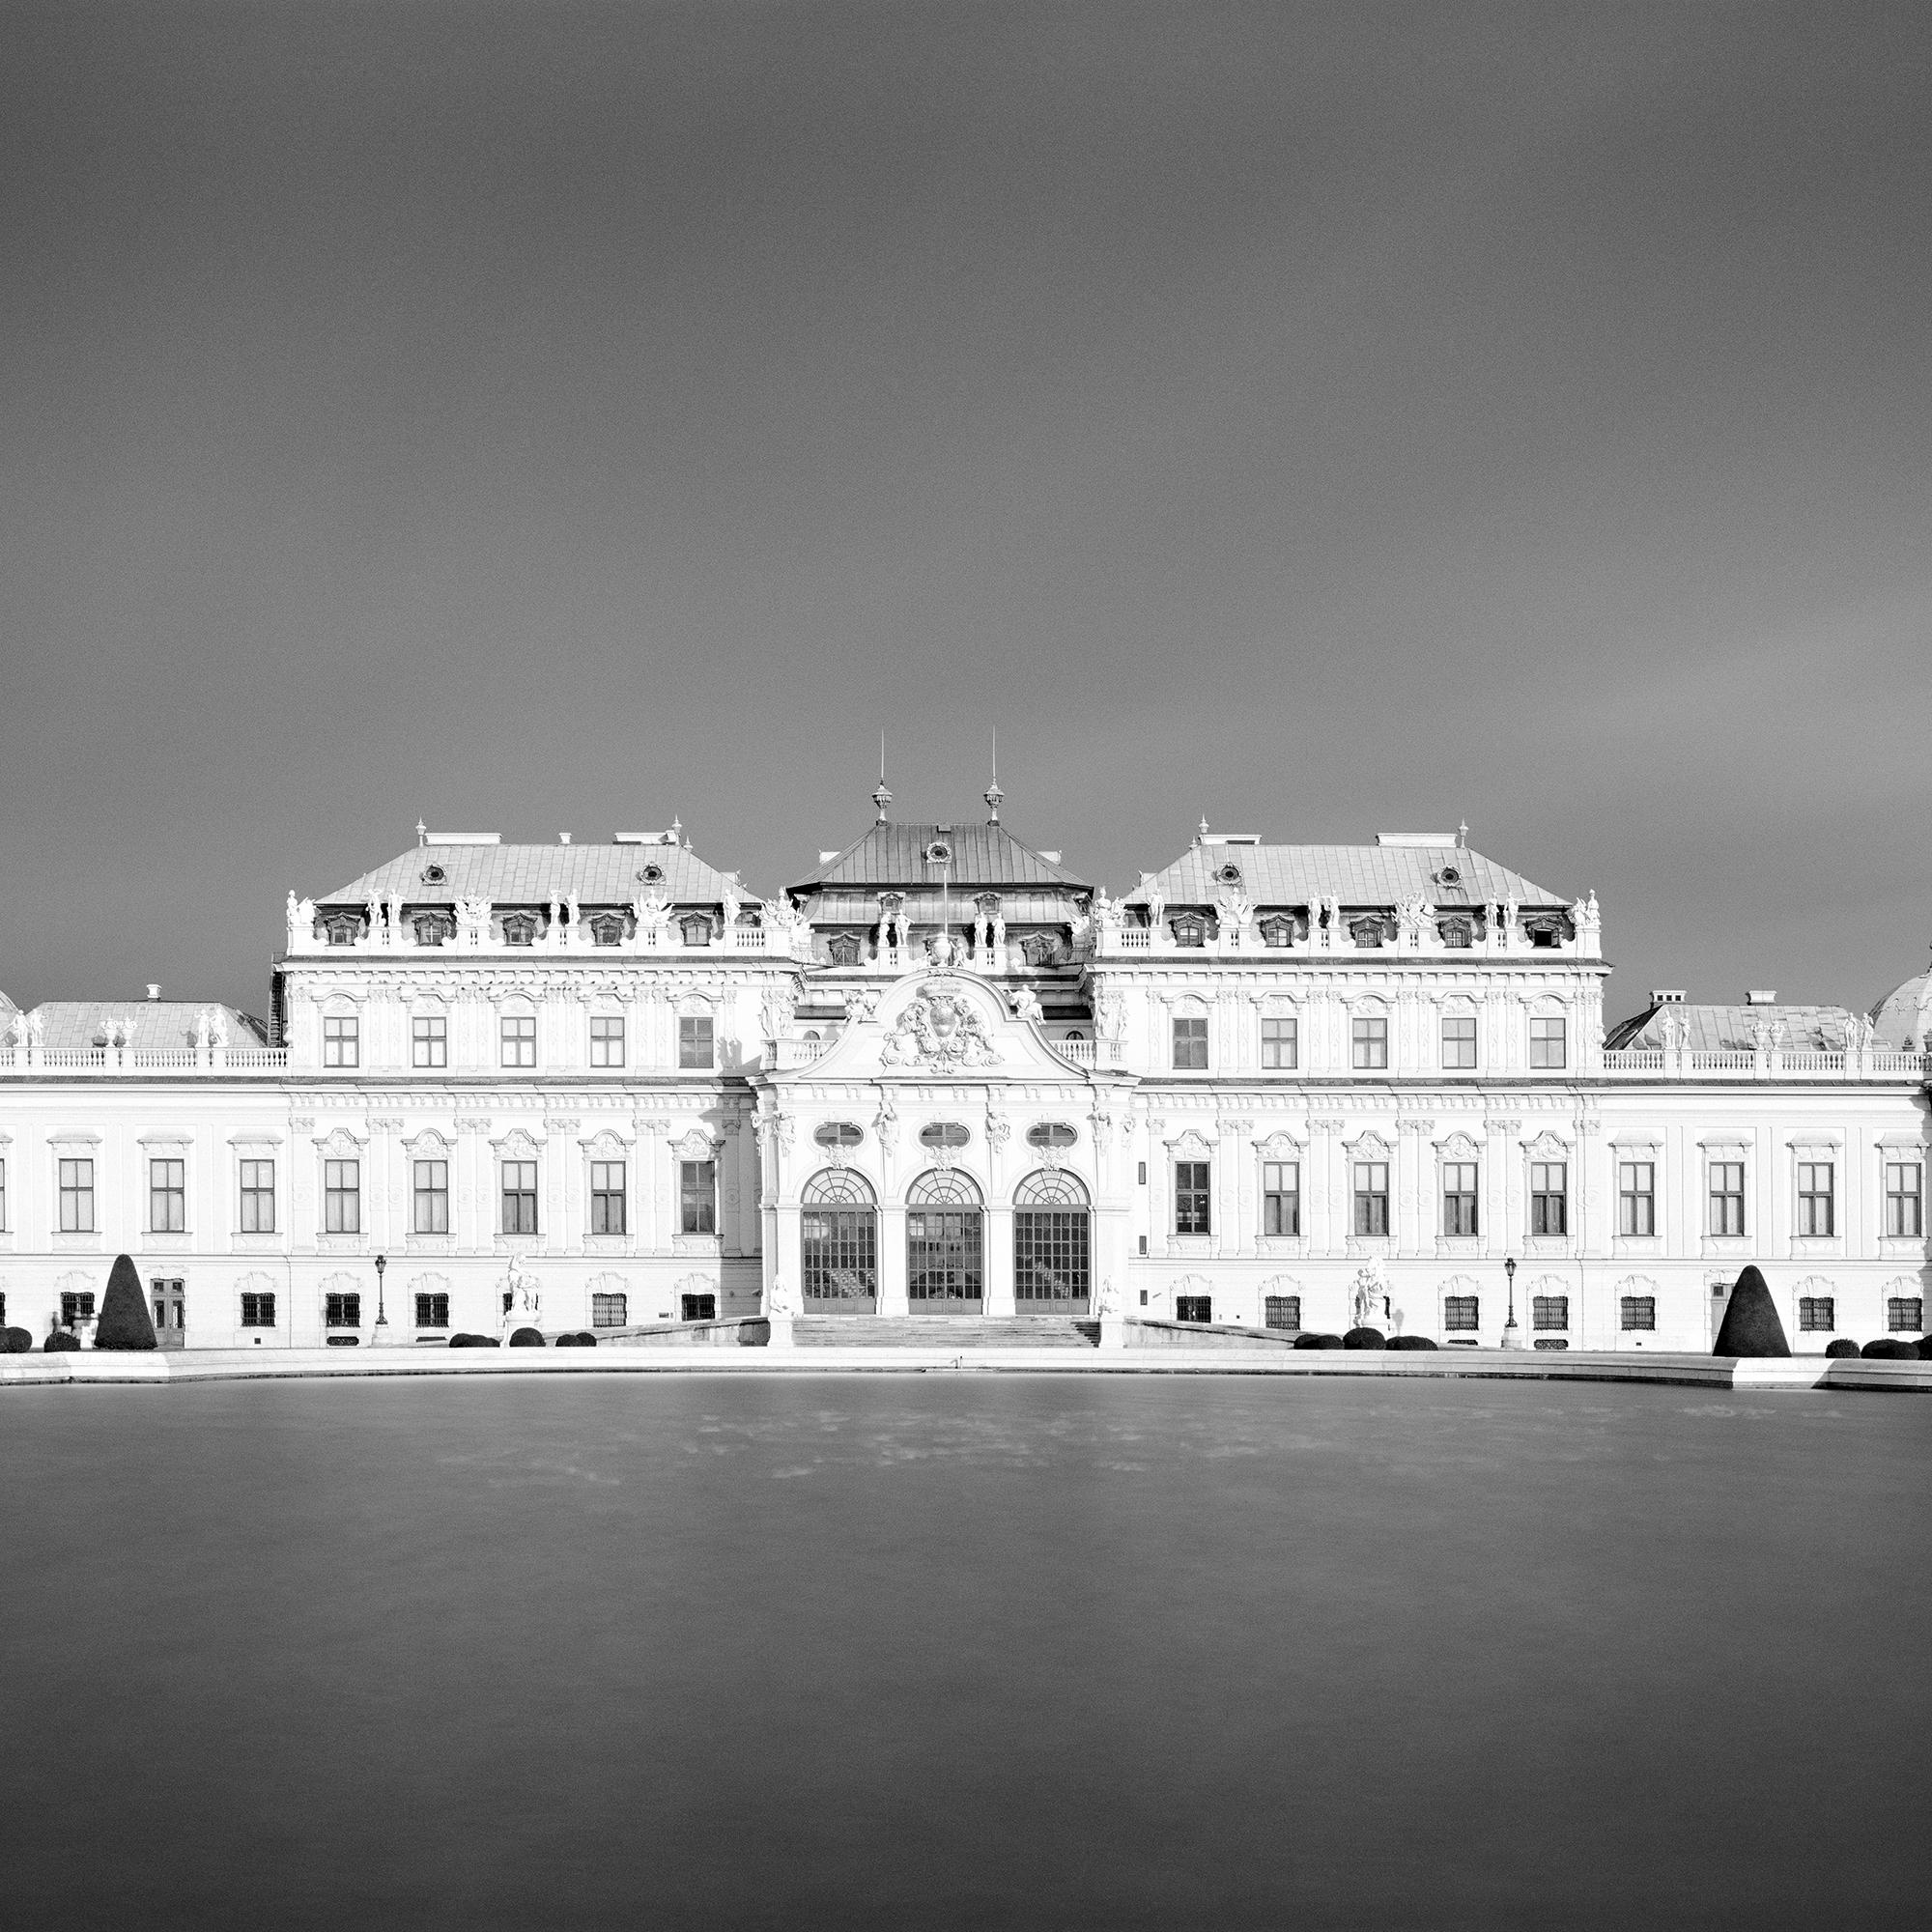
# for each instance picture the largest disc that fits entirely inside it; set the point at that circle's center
(838, 1244)
(946, 1271)
(1052, 1245)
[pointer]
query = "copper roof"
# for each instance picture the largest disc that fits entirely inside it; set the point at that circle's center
(926, 907)
(82, 1023)
(536, 874)
(1366, 875)
(1905, 1014)
(892, 855)
(1728, 1029)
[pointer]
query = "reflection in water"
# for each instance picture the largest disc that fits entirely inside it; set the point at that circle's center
(977, 1651)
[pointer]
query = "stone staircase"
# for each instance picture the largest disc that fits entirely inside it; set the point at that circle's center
(942, 1332)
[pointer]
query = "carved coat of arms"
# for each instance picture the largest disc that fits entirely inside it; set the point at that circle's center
(940, 1029)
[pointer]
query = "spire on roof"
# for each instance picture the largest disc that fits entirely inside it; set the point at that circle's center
(1462, 832)
(993, 794)
(1202, 834)
(422, 833)
(881, 797)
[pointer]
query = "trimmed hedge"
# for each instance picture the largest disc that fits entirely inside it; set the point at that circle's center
(1841, 1346)
(527, 1338)
(1925, 1347)
(15, 1341)
(62, 1341)
(583, 1339)
(1411, 1342)
(1751, 1325)
(124, 1321)
(474, 1342)
(1890, 1349)
(1365, 1338)
(1318, 1342)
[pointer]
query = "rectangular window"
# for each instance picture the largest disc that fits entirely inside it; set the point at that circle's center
(429, 1040)
(1369, 1040)
(606, 1197)
(258, 1197)
(76, 1197)
(1550, 1312)
(520, 1197)
(1191, 1211)
(1190, 1044)
(698, 1197)
(694, 1044)
(341, 1040)
(1903, 1198)
(75, 1308)
(1458, 1043)
(341, 1197)
(167, 1197)
(1815, 1197)
(1905, 1315)
(1281, 1044)
(606, 1039)
(1372, 1197)
(1194, 1308)
(1549, 1043)
(433, 1310)
(257, 1311)
(1727, 1197)
(1281, 1197)
(1459, 1197)
(342, 1311)
(432, 1198)
(1461, 1314)
(1549, 1197)
(1637, 1197)
(517, 1033)
(1283, 1312)
(1637, 1313)
(1817, 1313)
(607, 1311)
(3, 1193)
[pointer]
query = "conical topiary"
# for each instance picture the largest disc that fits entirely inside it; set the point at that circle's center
(124, 1321)
(1751, 1325)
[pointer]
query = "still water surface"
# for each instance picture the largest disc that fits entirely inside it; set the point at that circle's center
(946, 1652)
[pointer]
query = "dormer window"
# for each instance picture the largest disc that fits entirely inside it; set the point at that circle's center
(433, 928)
(1458, 933)
(1366, 931)
(343, 929)
(1190, 929)
(1278, 930)
(520, 928)
(846, 949)
(695, 929)
(1038, 949)
(1545, 931)
(607, 928)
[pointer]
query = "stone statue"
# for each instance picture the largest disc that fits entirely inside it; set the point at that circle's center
(861, 1003)
(782, 1298)
(1105, 1300)
(523, 1300)
(1111, 1010)
(1027, 1007)
(1370, 1297)
(652, 912)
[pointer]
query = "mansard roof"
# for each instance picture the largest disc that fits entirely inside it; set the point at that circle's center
(1728, 1029)
(536, 874)
(1371, 875)
(83, 1023)
(891, 855)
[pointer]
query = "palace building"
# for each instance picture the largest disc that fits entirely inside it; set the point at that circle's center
(1281, 1087)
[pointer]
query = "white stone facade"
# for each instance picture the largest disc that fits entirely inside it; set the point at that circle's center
(503, 1069)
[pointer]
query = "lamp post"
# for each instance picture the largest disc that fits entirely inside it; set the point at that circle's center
(1511, 1338)
(381, 1333)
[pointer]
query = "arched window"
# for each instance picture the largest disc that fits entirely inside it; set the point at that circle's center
(839, 1243)
(1074, 1033)
(1190, 929)
(945, 1244)
(1052, 1245)
(696, 928)
(943, 1134)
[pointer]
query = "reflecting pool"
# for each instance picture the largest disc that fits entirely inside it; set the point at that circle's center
(963, 1651)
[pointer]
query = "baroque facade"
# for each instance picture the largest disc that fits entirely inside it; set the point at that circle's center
(605, 1087)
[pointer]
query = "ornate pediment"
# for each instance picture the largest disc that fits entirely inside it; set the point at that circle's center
(940, 1028)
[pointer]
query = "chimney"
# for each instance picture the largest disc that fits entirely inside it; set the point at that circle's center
(154, 992)
(563, 837)
(1761, 996)
(1666, 996)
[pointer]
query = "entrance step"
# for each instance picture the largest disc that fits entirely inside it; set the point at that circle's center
(941, 1331)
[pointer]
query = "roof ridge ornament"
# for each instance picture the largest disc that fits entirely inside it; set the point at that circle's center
(993, 795)
(881, 797)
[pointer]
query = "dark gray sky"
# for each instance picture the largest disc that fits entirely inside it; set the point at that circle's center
(1329, 419)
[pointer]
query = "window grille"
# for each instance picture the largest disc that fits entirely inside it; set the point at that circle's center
(1192, 1213)
(1190, 1043)
(1372, 1197)
(698, 1197)
(1549, 1197)
(1283, 1312)
(76, 1197)
(694, 1046)
(1281, 1197)
(432, 1197)
(1461, 1313)
(1903, 1199)
(1637, 1314)
(341, 1197)
(1369, 1042)
(1458, 1043)
(1281, 1045)
(1637, 1197)
(341, 1040)
(1549, 1043)
(610, 1311)
(1817, 1313)
(429, 1040)
(1194, 1308)
(1727, 1197)
(520, 1197)
(606, 1197)
(1549, 1311)
(1459, 1197)
(517, 1037)
(167, 1197)
(258, 1310)
(1905, 1314)
(1815, 1197)
(606, 1039)
(76, 1306)
(698, 1308)
(433, 1310)
(341, 1311)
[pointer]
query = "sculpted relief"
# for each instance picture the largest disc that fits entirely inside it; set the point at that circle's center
(941, 1030)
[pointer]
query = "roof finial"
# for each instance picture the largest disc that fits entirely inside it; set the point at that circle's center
(676, 830)
(993, 794)
(422, 833)
(1462, 832)
(1203, 833)
(881, 797)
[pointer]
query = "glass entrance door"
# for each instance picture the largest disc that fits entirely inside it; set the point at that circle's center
(170, 1300)
(945, 1266)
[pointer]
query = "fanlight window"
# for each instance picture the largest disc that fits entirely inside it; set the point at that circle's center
(1051, 1134)
(433, 928)
(943, 1134)
(837, 1187)
(696, 929)
(942, 1188)
(846, 949)
(1049, 1188)
(607, 928)
(520, 928)
(839, 1133)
